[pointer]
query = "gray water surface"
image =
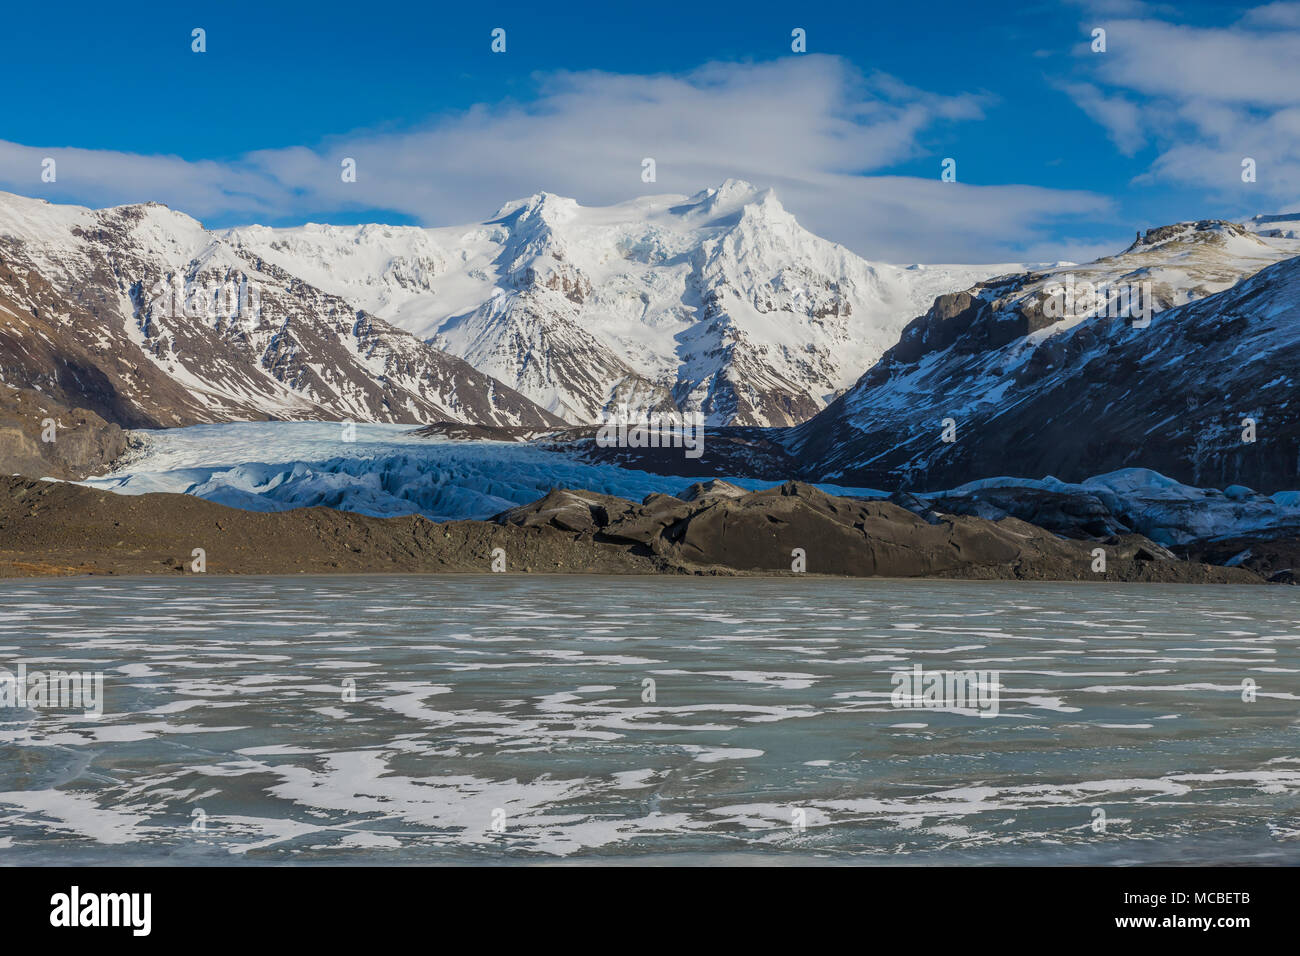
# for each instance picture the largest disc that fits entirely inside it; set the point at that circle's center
(499, 719)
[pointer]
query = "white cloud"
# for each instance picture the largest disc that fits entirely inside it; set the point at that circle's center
(1121, 118)
(1208, 97)
(1274, 15)
(813, 126)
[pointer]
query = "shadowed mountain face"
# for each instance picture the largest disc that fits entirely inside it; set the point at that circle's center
(992, 382)
(40, 436)
(143, 317)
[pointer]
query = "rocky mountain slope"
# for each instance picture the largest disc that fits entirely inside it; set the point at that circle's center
(996, 380)
(719, 303)
(140, 315)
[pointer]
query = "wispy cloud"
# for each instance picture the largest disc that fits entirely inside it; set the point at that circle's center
(1120, 117)
(1207, 98)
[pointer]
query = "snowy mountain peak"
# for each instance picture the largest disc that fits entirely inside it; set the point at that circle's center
(58, 236)
(726, 199)
(1215, 231)
(543, 206)
(1280, 226)
(765, 207)
(718, 302)
(166, 323)
(733, 188)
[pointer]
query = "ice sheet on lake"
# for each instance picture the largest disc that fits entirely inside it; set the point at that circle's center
(467, 734)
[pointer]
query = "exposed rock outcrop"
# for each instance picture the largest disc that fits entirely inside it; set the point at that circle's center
(770, 530)
(44, 438)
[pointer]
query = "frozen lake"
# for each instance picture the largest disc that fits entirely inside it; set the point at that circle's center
(495, 719)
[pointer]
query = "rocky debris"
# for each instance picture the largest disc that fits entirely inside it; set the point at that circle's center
(59, 528)
(919, 507)
(83, 443)
(1273, 553)
(761, 530)
(715, 488)
(582, 512)
(1139, 548)
(647, 524)
(54, 528)
(463, 431)
(725, 529)
(1075, 514)
(609, 517)
(726, 450)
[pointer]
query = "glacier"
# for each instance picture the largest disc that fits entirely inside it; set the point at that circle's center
(384, 471)
(387, 470)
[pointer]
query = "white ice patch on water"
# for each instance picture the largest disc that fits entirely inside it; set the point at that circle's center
(461, 717)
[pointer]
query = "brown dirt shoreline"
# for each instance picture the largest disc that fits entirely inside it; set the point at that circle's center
(58, 529)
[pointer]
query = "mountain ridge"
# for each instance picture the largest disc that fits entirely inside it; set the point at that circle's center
(718, 302)
(143, 316)
(989, 382)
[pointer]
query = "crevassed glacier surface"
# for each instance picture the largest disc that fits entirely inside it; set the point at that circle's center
(386, 470)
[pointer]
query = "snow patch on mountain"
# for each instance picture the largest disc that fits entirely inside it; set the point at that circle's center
(1280, 226)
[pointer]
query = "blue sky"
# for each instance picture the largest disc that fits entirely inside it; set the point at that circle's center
(1061, 152)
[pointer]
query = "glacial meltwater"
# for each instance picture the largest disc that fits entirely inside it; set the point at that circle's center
(500, 719)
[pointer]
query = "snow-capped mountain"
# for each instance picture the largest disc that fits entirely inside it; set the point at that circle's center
(142, 315)
(1281, 226)
(1033, 392)
(718, 302)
